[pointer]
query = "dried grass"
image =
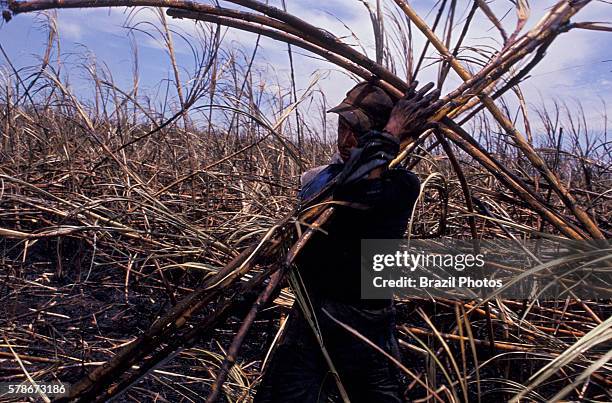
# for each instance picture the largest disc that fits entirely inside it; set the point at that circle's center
(114, 212)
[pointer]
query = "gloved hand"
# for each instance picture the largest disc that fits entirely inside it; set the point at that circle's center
(411, 114)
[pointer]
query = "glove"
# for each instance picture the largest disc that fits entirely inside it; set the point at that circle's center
(411, 114)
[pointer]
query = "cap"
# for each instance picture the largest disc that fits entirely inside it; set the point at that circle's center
(366, 107)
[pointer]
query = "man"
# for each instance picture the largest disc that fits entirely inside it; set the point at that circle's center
(372, 202)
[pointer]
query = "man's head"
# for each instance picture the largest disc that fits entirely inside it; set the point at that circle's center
(366, 107)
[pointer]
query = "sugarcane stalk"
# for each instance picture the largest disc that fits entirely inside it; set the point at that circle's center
(453, 337)
(462, 181)
(179, 342)
(174, 320)
(232, 352)
(285, 27)
(492, 343)
(326, 38)
(275, 280)
(505, 123)
(461, 138)
(288, 37)
(561, 224)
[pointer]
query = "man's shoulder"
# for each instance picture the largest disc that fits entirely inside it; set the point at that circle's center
(309, 175)
(312, 173)
(313, 180)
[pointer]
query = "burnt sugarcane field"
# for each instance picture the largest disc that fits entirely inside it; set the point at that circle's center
(349, 201)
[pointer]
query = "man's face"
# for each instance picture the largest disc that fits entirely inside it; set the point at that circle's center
(346, 139)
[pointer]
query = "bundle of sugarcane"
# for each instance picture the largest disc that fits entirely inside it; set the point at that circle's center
(276, 250)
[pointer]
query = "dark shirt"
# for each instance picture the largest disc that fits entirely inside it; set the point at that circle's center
(380, 208)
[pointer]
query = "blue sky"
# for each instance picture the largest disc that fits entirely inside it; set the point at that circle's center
(577, 67)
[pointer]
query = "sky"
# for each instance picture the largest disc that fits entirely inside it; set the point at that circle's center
(577, 67)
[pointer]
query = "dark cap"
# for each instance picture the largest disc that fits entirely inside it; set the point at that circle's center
(366, 107)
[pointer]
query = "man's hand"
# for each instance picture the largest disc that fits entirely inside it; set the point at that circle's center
(410, 115)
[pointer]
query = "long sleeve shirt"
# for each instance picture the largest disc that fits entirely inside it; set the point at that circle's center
(373, 208)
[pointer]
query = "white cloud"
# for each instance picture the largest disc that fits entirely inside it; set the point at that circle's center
(70, 30)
